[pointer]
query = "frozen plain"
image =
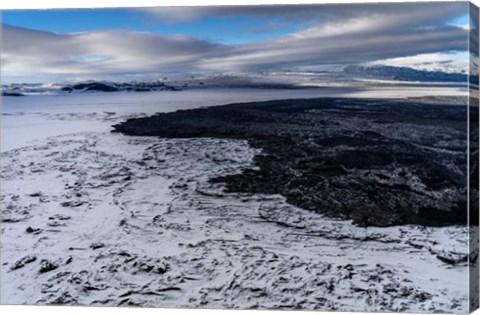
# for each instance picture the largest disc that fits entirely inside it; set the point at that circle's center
(94, 218)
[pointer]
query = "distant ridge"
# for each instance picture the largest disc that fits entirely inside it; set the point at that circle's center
(103, 86)
(403, 74)
(21, 89)
(352, 75)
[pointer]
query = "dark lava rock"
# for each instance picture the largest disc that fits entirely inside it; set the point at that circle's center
(34, 231)
(60, 217)
(452, 260)
(47, 265)
(158, 268)
(12, 94)
(142, 90)
(23, 261)
(75, 203)
(95, 246)
(64, 299)
(377, 162)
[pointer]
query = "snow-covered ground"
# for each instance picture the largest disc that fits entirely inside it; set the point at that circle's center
(94, 218)
(30, 118)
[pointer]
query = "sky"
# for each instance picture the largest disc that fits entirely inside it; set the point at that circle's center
(147, 43)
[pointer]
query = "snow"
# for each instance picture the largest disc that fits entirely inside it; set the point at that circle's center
(134, 221)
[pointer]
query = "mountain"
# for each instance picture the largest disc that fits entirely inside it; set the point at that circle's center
(104, 86)
(402, 74)
(349, 76)
(21, 89)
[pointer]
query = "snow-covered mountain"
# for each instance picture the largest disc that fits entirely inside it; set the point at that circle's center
(104, 86)
(402, 74)
(83, 87)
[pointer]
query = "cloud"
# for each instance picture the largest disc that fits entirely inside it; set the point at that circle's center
(27, 52)
(346, 34)
(353, 41)
(433, 61)
(432, 13)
